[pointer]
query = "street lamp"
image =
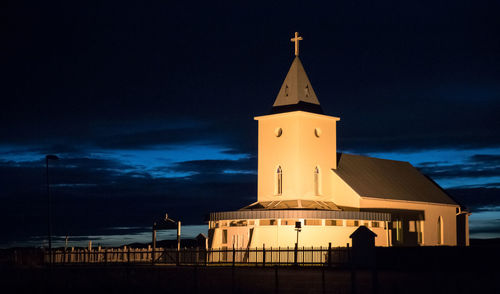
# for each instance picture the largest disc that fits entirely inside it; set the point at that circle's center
(47, 158)
(166, 224)
(298, 228)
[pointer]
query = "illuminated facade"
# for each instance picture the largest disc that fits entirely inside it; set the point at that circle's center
(302, 178)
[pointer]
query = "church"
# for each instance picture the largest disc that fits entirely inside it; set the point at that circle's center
(305, 185)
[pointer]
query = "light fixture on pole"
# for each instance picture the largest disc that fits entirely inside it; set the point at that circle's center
(166, 224)
(298, 228)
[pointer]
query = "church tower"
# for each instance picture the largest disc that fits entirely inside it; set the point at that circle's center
(297, 146)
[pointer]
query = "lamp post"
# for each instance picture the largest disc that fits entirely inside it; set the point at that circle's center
(166, 224)
(298, 228)
(47, 158)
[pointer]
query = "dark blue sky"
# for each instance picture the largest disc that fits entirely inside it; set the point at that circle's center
(150, 105)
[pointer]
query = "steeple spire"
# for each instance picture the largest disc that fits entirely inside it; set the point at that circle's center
(296, 93)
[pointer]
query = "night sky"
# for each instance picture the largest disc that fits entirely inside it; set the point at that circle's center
(150, 105)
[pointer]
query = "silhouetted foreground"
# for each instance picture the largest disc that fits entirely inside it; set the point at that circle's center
(395, 270)
(172, 279)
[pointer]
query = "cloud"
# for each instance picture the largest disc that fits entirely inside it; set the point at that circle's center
(209, 167)
(90, 195)
(476, 199)
(488, 159)
(475, 166)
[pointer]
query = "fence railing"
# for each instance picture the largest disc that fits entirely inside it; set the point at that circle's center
(308, 256)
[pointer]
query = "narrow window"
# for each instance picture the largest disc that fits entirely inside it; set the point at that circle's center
(279, 181)
(312, 222)
(224, 236)
(268, 222)
(419, 232)
(317, 182)
(440, 231)
(412, 226)
(398, 226)
(352, 223)
(334, 222)
(288, 222)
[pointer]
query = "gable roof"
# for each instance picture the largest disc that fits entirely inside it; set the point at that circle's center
(388, 179)
(363, 232)
(296, 92)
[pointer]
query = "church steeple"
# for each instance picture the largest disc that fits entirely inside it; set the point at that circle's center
(296, 93)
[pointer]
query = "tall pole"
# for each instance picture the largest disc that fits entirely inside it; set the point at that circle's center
(153, 253)
(178, 242)
(178, 235)
(48, 210)
(49, 233)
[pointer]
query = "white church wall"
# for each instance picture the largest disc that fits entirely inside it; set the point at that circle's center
(342, 194)
(432, 211)
(277, 151)
(306, 140)
(286, 236)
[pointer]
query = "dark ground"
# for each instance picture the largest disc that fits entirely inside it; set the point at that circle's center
(171, 279)
(419, 270)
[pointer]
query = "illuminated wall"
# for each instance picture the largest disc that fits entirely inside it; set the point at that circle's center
(432, 211)
(279, 233)
(298, 142)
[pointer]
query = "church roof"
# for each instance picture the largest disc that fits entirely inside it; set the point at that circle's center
(296, 93)
(388, 179)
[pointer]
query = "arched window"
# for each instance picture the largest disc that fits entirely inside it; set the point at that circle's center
(440, 232)
(317, 182)
(279, 181)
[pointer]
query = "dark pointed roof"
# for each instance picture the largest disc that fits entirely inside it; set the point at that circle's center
(296, 93)
(363, 231)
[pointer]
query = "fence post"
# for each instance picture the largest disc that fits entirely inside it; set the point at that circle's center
(234, 255)
(330, 254)
(89, 256)
(296, 254)
(279, 255)
(177, 256)
(207, 254)
(303, 254)
(348, 254)
(263, 254)
(197, 256)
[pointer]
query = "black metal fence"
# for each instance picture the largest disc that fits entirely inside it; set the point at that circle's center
(306, 256)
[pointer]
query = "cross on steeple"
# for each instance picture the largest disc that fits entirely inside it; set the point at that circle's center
(296, 41)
